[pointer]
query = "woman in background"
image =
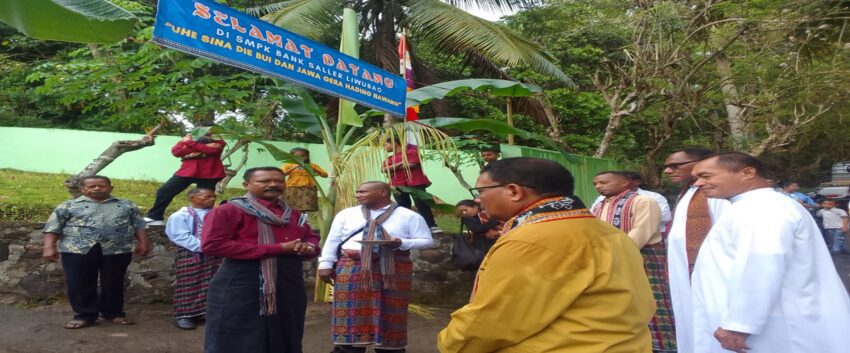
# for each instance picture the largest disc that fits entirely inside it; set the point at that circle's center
(301, 192)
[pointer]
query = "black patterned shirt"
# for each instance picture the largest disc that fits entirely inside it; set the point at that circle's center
(83, 222)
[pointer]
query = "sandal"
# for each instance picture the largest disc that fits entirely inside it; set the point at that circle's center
(77, 324)
(120, 321)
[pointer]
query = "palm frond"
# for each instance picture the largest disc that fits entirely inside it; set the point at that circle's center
(493, 5)
(314, 19)
(453, 30)
(362, 161)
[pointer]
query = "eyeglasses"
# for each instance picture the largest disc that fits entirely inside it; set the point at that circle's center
(674, 166)
(477, 191)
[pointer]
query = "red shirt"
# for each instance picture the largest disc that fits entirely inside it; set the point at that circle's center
(232, 233)
(205, 164)
(399, 176)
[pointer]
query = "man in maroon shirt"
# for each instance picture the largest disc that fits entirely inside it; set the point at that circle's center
(405, 169)
(256, 301)
(201, 165)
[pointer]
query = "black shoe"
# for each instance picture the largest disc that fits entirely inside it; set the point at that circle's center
(184, 324)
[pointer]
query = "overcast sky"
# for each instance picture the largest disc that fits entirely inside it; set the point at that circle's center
(486, 14)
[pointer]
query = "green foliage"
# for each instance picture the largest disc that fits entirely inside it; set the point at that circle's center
(81, 21)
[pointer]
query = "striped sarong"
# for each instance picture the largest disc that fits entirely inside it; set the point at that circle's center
(193, 274)
(662, 326)
(371, 316)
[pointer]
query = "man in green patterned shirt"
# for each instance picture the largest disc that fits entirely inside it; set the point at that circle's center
(95, 234)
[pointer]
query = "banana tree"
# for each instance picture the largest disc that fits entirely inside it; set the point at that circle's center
(79, 21)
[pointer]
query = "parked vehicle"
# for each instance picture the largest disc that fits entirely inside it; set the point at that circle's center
(838, 187)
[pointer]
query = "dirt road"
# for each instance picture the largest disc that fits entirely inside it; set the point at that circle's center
(40, 330)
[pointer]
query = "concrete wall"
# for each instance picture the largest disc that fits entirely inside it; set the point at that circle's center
(26, 277)
(68, 151)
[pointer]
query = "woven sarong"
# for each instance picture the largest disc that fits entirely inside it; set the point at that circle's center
(190, 287)
(376, 317)
(662, 325)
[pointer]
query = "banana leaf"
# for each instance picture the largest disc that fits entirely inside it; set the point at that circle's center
(498, 88)
(80, 21)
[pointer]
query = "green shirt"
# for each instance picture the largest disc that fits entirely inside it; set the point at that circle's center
(83, 222)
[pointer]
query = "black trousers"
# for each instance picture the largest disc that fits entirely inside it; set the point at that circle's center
(352, 349)
(81, 277)
(403, 200)
(172, 187)
(233, 322)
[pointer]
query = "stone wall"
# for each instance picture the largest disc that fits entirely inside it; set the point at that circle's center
(24, 276)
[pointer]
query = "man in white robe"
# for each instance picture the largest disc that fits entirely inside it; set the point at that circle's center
(677, 167)
(764, 281)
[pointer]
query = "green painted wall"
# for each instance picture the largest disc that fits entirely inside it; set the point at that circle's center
(68, 151)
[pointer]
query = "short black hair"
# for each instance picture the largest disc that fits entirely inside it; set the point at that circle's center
(467, 203)
(547, 178)
(784, 183)
(206, 124)
(634, 176)
(736, 161)
(195, 191)
(82, 180)
(621, 173)
(300, 149)
(491, 148)
(695, 152)
(250, 171)
(381, 184)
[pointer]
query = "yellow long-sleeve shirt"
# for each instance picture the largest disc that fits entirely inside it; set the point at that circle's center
(566, 286)
(297, 176)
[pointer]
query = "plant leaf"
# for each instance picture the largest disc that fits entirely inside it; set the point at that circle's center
(80, 21)
(499, 88)
(455, 31)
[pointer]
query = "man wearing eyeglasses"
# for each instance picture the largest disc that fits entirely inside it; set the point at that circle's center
(557, 280)
(693, 216)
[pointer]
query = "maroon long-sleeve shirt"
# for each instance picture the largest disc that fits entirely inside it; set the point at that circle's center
(232, 233)
(206, 166)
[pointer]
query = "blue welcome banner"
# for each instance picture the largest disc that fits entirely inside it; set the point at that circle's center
(217, 32)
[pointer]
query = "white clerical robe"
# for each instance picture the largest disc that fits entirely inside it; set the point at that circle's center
(677, 267)
(764, 270)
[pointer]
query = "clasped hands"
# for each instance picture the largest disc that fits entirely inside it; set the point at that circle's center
(732, 340)
(298, 247)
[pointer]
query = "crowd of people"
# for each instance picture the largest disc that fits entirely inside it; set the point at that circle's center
(736, 266)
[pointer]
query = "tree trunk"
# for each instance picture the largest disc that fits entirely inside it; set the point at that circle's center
(615, 119)
(231, 172)
(108, 156)
(734, 110)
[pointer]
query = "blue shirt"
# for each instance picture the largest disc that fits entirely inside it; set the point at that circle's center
(180, 228)
(801, 197)
(83, 222)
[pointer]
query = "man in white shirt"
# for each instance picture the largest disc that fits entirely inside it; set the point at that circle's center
(379, 289)
(636, 180)
(835, 225)
(693, 217)
(763, 280)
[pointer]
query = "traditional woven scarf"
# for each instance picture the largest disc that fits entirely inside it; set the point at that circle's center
(197, 226)
(697, 225)
(619, 213)
(386, 255)
(268, 265)
(545, 210)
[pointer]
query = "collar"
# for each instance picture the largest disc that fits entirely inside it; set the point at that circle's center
(84, 198)
(758, 191)
(269, 204)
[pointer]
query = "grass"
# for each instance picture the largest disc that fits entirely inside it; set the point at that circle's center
(29, 196)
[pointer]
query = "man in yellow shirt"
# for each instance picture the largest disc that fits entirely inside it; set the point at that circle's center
(640, 217)
(558, 280)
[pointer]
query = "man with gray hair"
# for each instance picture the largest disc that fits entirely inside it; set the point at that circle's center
(367, 258)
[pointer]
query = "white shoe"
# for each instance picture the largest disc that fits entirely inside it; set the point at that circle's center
(436, 230)
(153, 222)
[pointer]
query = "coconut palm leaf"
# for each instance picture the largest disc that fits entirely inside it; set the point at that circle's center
(79, 21)
(314, 19)
(498, 88)
(453, 30)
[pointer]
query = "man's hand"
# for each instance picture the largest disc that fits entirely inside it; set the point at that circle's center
(732, 340)
(326, 275)
(395, 244)
(302, 248)
(143, 248)
(50, 254)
